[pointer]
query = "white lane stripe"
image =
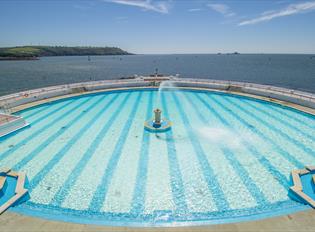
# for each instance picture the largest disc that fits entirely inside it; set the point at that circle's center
(27, 132)
(291, 123)
(158, 189)
(198, 196)
(285, 144)
(48, 187)
(120, 193)
(20, 153)
(258, 173)
(89, 179)
(283, 165)
(304, 136)
(234, 189)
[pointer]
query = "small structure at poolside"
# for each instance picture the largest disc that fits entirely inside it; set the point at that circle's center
(11, 123)
(13, 188)
(303, 189)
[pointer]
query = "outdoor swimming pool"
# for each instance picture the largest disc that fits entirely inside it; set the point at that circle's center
(226, 158)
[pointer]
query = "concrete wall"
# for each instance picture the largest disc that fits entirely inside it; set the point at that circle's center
(288, 95)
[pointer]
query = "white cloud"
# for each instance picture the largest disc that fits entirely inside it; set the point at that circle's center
(289, 10)
(194, 9)
(157, 6)
(222, 9)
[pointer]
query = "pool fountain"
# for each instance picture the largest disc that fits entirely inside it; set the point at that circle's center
(157, 124)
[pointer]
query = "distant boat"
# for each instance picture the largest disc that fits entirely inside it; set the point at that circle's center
(234, 53)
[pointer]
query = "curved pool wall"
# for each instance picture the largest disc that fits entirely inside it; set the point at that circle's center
(301, 98)
(51, 212)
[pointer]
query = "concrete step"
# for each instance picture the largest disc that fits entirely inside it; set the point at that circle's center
(3, 185)
(11, 123)
(12, 188)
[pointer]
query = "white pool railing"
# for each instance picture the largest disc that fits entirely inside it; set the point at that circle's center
(294, 96)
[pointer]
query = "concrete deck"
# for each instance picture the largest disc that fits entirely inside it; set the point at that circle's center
(302, 221)
(268, 99)
(14, 102)
(6, 118)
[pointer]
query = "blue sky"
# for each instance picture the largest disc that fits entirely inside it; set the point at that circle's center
(164, 26)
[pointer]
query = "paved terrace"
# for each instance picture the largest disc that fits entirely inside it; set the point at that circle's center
(302, 100)
(5, 119)
(299, 222)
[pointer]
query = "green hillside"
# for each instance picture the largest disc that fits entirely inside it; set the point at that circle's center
(37, 51)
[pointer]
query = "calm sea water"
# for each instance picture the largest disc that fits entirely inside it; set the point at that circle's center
(291, 71)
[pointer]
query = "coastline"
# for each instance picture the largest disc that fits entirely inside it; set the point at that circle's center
(9, 58)
(34, 52)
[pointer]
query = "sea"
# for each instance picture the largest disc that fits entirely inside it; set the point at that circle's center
(289, 71)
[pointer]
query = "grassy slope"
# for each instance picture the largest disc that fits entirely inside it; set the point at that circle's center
(35, 51)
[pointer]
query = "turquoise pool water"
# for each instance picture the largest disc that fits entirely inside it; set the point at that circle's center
(226, 158)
